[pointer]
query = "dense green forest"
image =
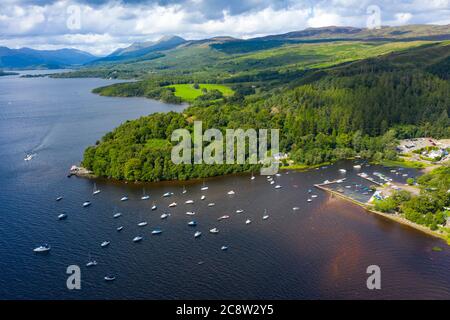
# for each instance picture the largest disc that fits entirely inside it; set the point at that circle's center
(357, 108)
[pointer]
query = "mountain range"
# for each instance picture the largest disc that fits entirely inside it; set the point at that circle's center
(150, 50)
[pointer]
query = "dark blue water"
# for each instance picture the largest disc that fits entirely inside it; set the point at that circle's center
(319, 251)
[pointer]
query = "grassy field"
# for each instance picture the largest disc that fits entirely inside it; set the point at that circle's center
(187, 92)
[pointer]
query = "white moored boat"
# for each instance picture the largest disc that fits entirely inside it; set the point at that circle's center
(212, 204)
(189, 201)
(214, 230)
(197, 234)
(239, 211)
(95, 191)
(137, 239)
(165, 215)
(203, 197)
(248, 221)
(86, 204)
(173, 204)
(105, 244)
(231, 192)
(124, 198)
(42, 249)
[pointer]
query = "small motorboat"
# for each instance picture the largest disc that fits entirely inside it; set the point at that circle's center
(197, 234)
(154, 207)
(119, 228)
(265, 217)
(278, 186)
(278, 174)
(142, 224)
(357, 166)
(124, 198)
(224, 248)
(309, 200)
(272, 182)
(212, 204)
(248, 221)
(42, 249)
(314, 196)
(223, 218)
(156, 232)
(214, 230)
(91, 262)
(137, 239)
(29, 157)
(62, 216)
(109, 278)
(173, 204)
(105, 244)
(167, 194)
(165, 215)
(116, 215)
(189, 201)
(239, 211)
(190, 213)
(86, 204)
(342, 170)
(203, 197)
(192, 223)
(59, 198)
(231, 192)
(296, 208)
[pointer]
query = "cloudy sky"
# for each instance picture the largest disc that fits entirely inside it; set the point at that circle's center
(100, 26)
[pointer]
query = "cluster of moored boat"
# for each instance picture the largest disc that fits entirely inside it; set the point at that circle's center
(197, 234)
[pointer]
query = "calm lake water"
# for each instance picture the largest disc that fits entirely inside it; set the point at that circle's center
(321, 250)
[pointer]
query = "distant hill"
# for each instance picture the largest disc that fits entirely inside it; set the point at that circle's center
(46, 59)
(147, 49)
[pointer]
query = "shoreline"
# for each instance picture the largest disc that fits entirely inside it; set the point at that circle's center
(393, 217)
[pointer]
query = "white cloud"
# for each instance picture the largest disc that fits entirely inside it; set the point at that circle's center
(113, 24)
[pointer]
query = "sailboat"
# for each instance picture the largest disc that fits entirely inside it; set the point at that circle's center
(165, 215)
(278, 186)
(265, 216)
(253, 177)
(117, 214)
(119, 228)
(173, 204)
(105, 244)
(203, 197)
(154, 207)
(204, 187)
(95, 191)
(59, 198)
(86, 204)
(189, 202)
(184, 190)
(197, 234)
(42, 249)
(239, 211)
(231, 192)
(223, 217)
(214, 230)
(144, 196)
(62, 216)
(248, 221)
(192, 223)
(142, 223)
(124, 198)
(167, 194)
(91, 262)
(224, 248)
(156, 232)
(137, 239)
